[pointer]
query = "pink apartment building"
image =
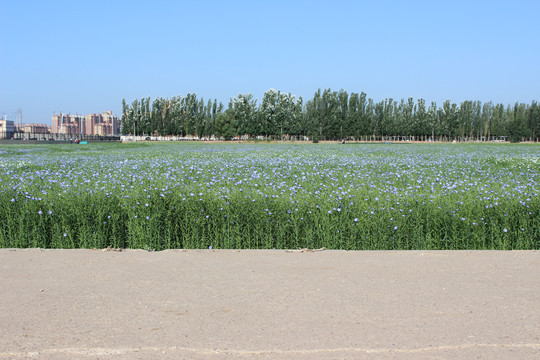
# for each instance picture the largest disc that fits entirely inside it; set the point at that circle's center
(104, 124)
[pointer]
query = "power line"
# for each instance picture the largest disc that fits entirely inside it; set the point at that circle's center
(10, 114)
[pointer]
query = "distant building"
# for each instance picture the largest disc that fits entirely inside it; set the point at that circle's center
(67, 124)
(104, 124)
(90, 122)
(7, 129)
(34, 129)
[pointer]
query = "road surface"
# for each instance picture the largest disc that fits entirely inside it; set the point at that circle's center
(269, 304)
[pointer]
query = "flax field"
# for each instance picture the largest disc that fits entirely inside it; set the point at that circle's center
(158, 196)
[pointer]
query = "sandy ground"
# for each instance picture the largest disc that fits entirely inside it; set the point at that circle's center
(207, 304)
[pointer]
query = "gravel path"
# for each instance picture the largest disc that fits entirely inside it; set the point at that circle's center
(269, 304)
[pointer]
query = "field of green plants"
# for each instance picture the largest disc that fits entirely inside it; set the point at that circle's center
(263, 196)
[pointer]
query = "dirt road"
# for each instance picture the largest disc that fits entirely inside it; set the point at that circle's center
(207, 304)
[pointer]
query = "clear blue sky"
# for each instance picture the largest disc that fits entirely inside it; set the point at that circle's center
(85, 56)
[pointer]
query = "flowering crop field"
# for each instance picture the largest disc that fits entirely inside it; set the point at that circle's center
(263, 196)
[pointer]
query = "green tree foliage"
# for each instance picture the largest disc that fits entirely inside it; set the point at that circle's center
(125, 120)
(329, 115)
(486, 119)
(432, 121)
(243, 111)
(225, 126)
(517, 123)
(421, 119)
(533, 119)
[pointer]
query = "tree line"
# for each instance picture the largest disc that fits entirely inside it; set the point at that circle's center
(329, 115)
